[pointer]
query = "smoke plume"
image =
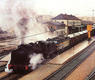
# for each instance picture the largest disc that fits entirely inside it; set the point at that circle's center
(21, 18)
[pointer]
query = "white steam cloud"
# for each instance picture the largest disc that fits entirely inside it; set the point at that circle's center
(35, 59)
(20, 17)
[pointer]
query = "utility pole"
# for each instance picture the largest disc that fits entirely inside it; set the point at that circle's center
(93, 15)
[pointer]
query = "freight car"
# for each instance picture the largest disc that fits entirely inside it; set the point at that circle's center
(28, 56)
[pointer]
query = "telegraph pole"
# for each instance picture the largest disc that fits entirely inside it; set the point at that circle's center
(93, 15)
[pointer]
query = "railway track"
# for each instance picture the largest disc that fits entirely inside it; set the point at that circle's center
(3, 54)
(91, 76)
(70, 66)
(12, 76)
(6, 46)
(5, 51)
(2, 68)
(3, 63)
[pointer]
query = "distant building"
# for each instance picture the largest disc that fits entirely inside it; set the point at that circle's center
(68, 20)
(72, 23)
(56, 27)
(87, 22)
(44, 18)
(88, 19)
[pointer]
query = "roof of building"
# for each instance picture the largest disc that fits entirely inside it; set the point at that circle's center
(56, 24)
(65, 17)
(87, 22)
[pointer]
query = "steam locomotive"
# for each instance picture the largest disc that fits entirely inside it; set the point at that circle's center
(27, 57)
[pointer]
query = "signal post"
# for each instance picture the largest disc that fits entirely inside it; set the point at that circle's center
(89, 29)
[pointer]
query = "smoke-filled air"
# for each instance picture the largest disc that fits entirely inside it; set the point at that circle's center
(20, 18)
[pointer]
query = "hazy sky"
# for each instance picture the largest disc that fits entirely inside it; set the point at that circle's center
(76, 7)
(54, 7)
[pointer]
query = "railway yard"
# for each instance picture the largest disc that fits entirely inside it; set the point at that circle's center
(60, 58)
(65, 66)
(62, 48)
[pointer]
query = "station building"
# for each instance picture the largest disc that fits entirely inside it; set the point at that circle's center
(72, 23)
